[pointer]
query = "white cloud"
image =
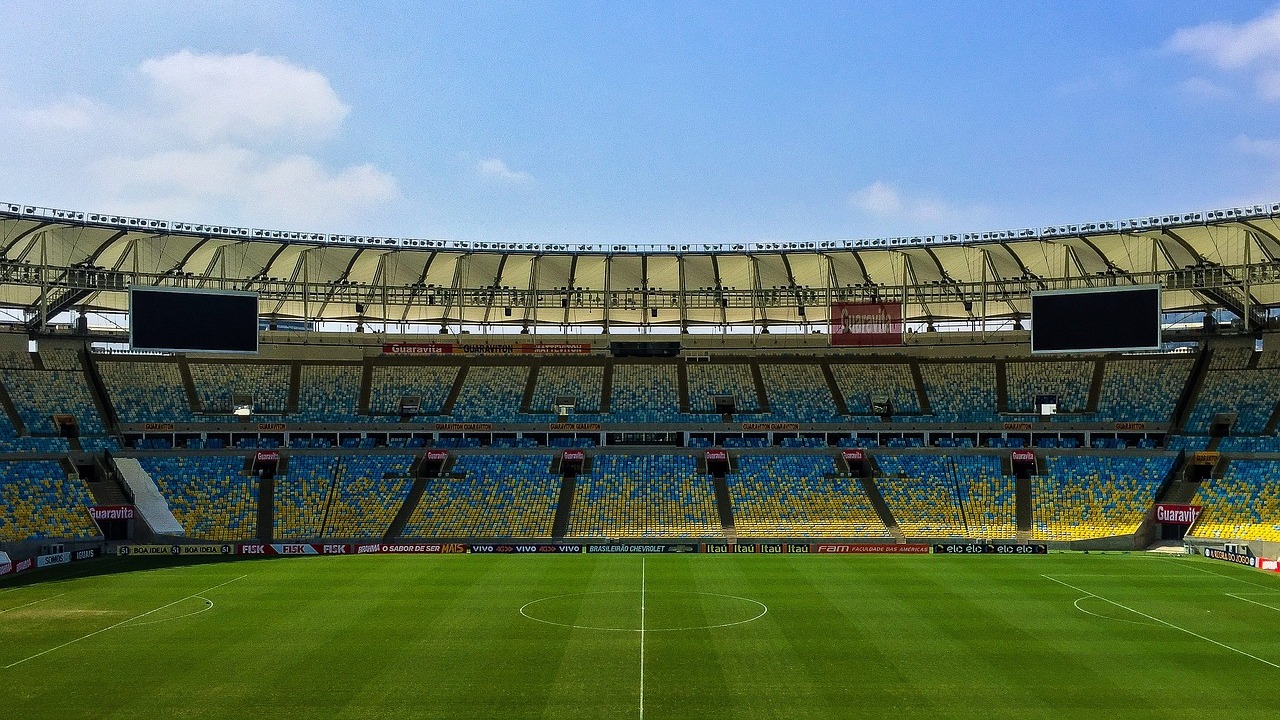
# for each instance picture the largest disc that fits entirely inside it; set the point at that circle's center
(878, 198)
(496, 169)
(1231, 46)
(885, 201)
(1250, 50)
(213, 97)
(213, 138)
(1201, 88)
(1258, 146)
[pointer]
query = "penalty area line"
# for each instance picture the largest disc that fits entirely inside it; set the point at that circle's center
(1166, 623)
(122, 622)
(33, 602)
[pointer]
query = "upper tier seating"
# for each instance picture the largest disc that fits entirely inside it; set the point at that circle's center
(1251, 394)
(708, 380)
(799, 393)
(961, 392)
(330, 393)
(492, 393)
(581, 382)
(431, 383)
(645, 393)
(217, 384)
(38, 395)
(1142, 390)
(859, 383)
(1069, 380)
(143, 392)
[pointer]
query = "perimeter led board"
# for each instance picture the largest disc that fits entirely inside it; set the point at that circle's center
(176, 320)
(1094, 320)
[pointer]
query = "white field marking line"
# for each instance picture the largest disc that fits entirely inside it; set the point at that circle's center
(764, 610)
(1166, 623)
(208, 605)
(33, 602)
(1229, 577)
(1127, 576)
(122, 622)
(1254, 602)
(1107, 617)
(641, 637)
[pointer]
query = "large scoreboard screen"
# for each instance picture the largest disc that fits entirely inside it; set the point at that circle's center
(1095, 320)
(178, 320)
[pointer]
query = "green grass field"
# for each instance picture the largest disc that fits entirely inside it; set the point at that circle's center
(1060, 636)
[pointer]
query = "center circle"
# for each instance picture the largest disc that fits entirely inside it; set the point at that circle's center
(662, 611)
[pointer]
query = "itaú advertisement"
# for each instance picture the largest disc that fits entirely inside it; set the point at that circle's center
(866, 323)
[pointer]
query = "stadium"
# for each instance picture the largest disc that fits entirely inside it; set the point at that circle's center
(928, 468)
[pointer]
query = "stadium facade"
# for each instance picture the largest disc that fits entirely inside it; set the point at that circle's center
(877, 393)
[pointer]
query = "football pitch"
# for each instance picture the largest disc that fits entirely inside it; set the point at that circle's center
(655, 637)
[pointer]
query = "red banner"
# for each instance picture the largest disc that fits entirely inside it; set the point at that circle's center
(1171, 514)
(267, 456)
(291, 549)
(853, 456)
(440, 455)
(486, 349)
(866, 323)
(418, 548)
(572, 455)
(1024, 456)
(718, 455)
(866, 549)
(111, 512)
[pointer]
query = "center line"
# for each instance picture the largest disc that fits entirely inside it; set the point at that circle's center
(642, 637)
(1166, 623)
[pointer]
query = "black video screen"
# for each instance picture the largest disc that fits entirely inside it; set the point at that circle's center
(1110, 319)
(193, 320)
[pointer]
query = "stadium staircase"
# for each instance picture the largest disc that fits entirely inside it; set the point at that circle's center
(1095, 386)
(366, 387)
(606, 390)
(411, 501)
(682, 381)
(841, 406)
(1002, 388)
(724, 507)
(295, 385)
(104, 485)
(1272, 422)
(882, 507)
(14, 418)
(762, 397)
(918, 379)
(458, 381)
(98, 391)
(189, 385)
(530, 388)
(266, 509)
(564, 506)
(1190, 393)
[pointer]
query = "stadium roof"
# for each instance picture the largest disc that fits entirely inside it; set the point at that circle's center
(55, 260)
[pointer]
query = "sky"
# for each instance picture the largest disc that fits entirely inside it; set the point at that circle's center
(640, 121)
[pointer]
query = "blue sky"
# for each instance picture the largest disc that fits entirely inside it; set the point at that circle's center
(564, 121)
